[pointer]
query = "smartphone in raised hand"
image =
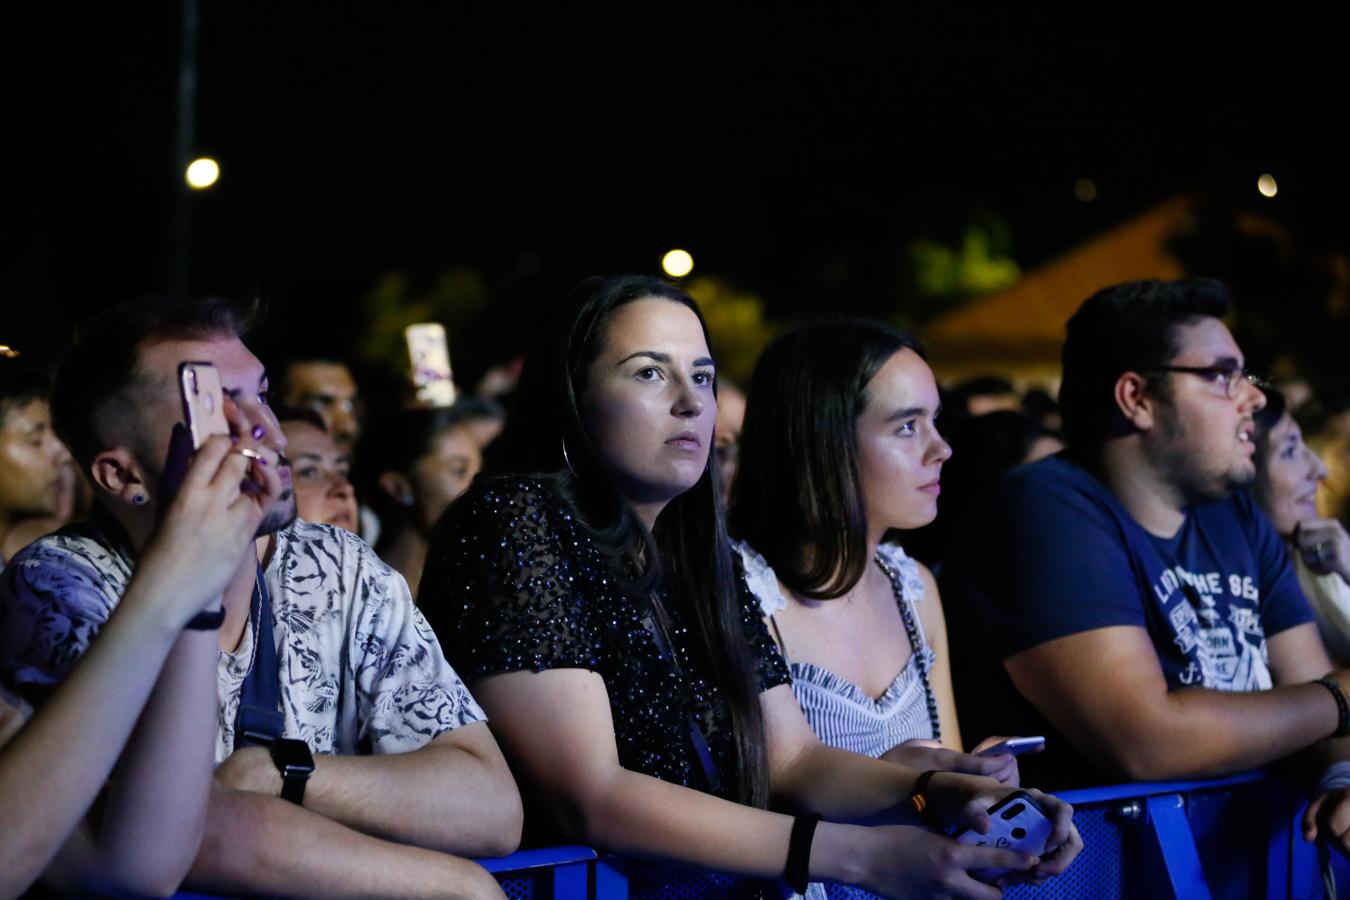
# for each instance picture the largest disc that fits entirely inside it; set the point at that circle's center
(203, 401)
(429, 361)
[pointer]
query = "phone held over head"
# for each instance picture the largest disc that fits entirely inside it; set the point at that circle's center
(1016, 746)
(1016, 823)
(429, 358)
(203, 401)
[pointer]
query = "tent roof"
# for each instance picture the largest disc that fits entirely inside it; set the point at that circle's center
(1024, 325)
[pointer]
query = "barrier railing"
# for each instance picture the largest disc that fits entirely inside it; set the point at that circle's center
(1235, 837)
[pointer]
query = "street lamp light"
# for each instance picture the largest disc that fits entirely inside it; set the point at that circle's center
(677, 263)
(202, 173)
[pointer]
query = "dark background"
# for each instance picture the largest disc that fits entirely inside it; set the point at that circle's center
(796, 151)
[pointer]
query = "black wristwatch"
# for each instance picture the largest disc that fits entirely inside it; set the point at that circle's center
(295, 763)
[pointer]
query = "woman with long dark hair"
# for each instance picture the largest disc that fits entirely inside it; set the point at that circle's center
(840, 447)
(590, 598)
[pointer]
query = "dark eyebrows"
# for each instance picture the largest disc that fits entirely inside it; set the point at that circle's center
(909, 413)
(664, 358)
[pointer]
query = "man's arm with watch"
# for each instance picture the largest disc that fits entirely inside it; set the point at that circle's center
(455, 794)
(257, 844)
(1146, 731)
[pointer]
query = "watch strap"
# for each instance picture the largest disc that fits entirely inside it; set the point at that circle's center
(295, 763)
(293, 787)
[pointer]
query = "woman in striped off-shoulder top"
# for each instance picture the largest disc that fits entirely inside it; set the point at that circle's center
(840, 447)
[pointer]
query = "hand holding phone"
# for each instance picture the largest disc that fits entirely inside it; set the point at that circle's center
(1015, 746)
(1015, 823)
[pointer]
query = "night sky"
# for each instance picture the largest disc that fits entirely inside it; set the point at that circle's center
(795, 151)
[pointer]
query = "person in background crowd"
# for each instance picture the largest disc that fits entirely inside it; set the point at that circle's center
(727, 433)
(1330, 439)
(482, 417)
(144, 691)
(983, 448)
(1287, 475)
(418, 460)
(590, 594)
(1038, 404)
(841, 446)
(34, 464)
(1129, 595)
(320, 469)
(369, 742)
(982, 394)
(326, 386)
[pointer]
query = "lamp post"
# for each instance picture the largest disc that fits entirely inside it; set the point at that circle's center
(178, 268)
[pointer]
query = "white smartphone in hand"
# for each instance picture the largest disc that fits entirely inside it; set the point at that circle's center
(1016, 823)
(1016, 746)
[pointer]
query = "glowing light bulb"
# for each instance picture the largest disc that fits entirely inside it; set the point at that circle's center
(677, 263)
(202, 173)
(1267, 186)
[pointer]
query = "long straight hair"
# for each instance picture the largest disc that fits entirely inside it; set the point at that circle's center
(797, 498)
(688, 547)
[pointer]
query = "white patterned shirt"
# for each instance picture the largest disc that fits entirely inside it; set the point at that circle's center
(360, 670)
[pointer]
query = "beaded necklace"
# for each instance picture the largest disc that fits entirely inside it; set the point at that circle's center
(921, 658)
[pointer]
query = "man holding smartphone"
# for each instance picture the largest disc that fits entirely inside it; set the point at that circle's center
(400, 752)
(1127, 596)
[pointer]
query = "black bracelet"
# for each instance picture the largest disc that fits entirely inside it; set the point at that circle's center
(919, 801)
(206, 621)
(797, 873)
(1342, 705)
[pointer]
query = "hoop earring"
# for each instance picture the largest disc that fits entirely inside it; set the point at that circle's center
(567, 459)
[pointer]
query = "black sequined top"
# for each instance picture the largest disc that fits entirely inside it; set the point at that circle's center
(514, 582)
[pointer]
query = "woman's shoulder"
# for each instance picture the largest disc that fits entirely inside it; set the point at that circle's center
(906, 568)
(508, 497)
(506, 515)
(760, 578)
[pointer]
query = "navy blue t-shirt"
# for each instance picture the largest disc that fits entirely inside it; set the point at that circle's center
(1051, 552)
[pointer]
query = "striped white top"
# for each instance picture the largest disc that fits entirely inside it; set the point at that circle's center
(841, 713)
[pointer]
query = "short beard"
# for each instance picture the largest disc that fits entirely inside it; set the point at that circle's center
(1192, 484)
(282, 514)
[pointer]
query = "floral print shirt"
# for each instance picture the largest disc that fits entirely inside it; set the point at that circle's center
(361, 672)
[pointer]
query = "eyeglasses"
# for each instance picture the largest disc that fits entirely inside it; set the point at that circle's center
(1226, 377)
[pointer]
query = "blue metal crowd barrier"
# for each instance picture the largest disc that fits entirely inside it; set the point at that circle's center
(1237, 837)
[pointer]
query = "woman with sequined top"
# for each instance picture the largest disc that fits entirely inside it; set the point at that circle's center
(845, 413)
(589, 596)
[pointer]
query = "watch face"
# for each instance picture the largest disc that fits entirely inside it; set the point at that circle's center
(292, 757)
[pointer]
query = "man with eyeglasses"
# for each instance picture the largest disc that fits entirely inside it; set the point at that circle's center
(1127, 598)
